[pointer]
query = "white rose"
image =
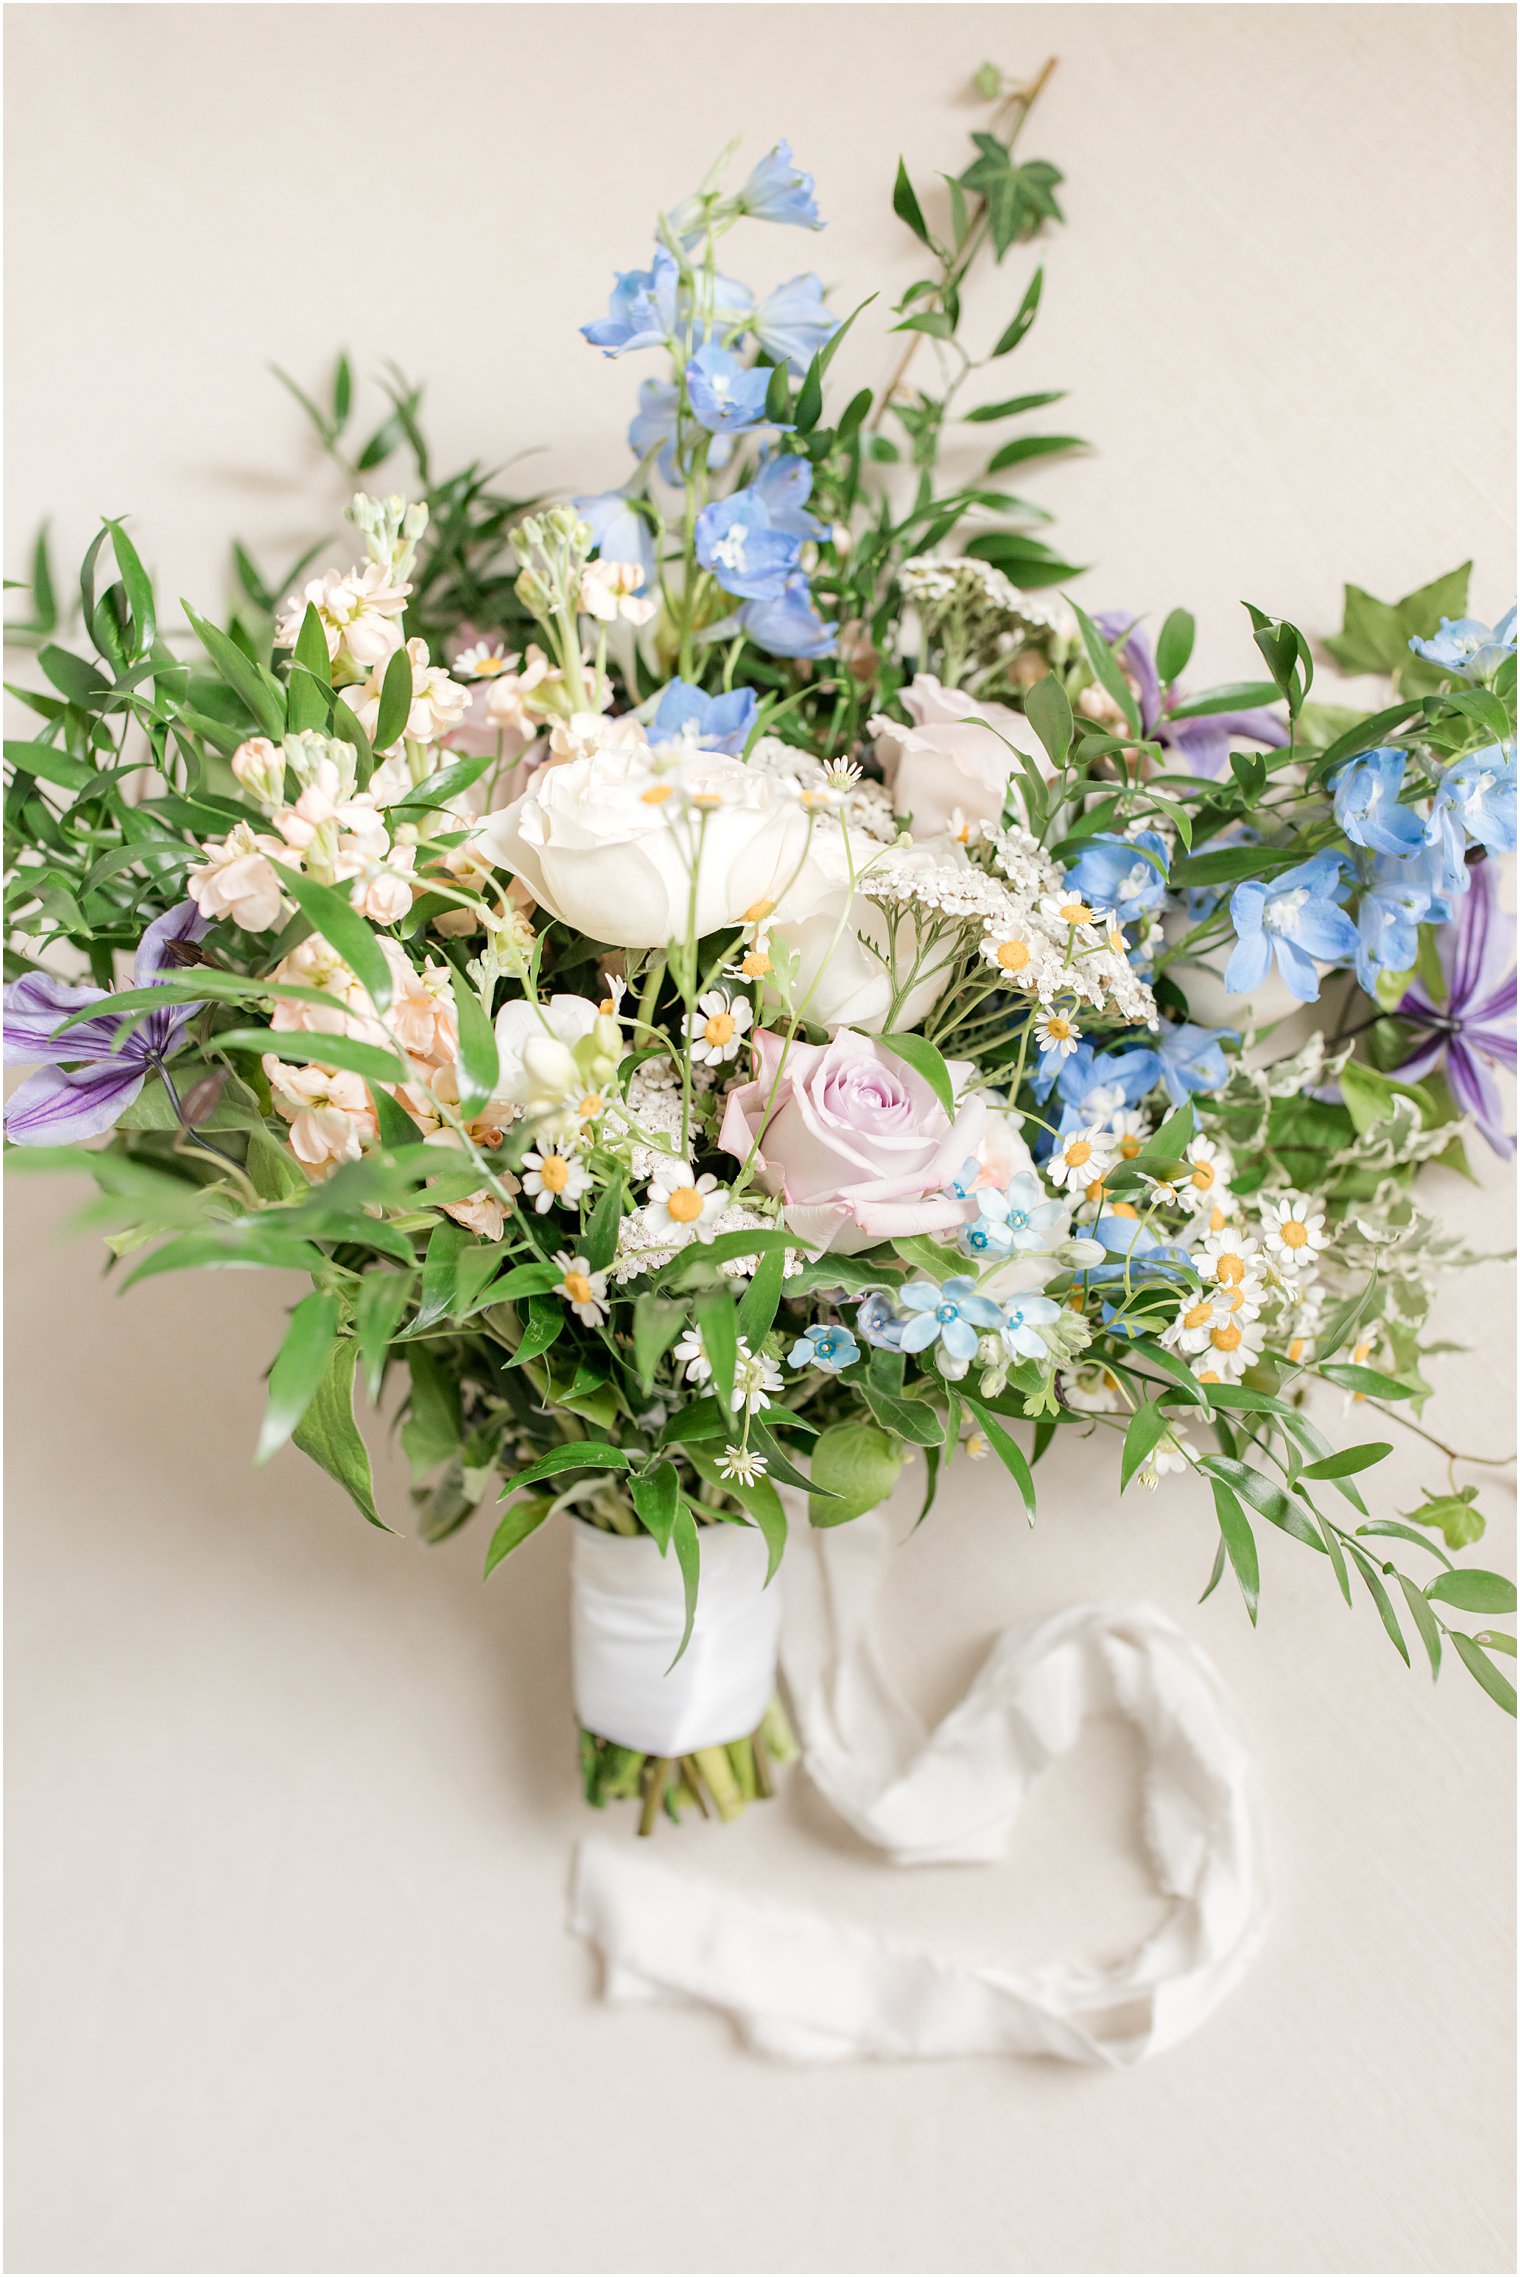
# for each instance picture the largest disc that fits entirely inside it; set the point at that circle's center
(945, 763)
(609, 843)
(849, 967)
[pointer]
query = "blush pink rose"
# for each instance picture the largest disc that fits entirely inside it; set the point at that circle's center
(855, 1143)
(955, 758)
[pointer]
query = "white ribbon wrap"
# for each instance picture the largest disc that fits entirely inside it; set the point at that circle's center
(627, 1611)
(804, 1987)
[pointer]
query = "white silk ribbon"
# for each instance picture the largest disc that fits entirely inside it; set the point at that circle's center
(804, 1987)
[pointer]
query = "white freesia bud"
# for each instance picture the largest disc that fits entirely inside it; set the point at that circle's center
(636, 853)
(260, 767)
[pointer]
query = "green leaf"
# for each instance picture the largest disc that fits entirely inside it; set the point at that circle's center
(440, 1268)
(311, 647)
(1025, 316)
(859, 1463)
(1048, 710)
(1391, 1527)
(1106, 668)
(600, 1238)
(546, 1323)
(809, 404)
(368, 1060)
(523, 1519)
(1233, 696)
(1473, 1590)
(1382, 1601)
(432, 1430)
(907, 208)
(52, 766)
(1422, 1617)
(298, 1369)
(436, 790)
(1348, 1460)
(383, 1299)
(259, 691)
(718, 1327)
(657, 1498)
(656, 1325)
(478, 1062)
(1032, 447)
(1006, 1449)
(334, 916)
(1493, 1680)
(926, 1061)
(1350, 1377)
(328, 1433)
(1013, 406)
(575, 1455)
(910, 1419)
(1454, 1516)
(1496, 1640)
(395, 1125)
(395, 701)
(759, 1303)
(1240, 1546)
(1147, 1427)
(1421, 612)
(689, 1559)
(1174, 645)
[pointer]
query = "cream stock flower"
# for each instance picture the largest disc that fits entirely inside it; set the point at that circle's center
(358, 609)
(438, 703)
(329, 1111)
(611, 589)
(236, 879)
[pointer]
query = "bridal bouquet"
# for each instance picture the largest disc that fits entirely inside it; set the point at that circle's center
(731, 985)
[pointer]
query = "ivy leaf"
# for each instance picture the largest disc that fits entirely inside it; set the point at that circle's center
(1453, 1516)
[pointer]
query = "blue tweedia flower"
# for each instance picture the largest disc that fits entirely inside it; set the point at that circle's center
(1475, 799)
(641, 310)
(952, 1316)
(714, 723)
(727, 397)
(1192, 1058)
(1022, 1324)
(1117, 873)
(787, 624)
(778, 190)
(1295, 918)
(1367, 803)
(620, 531)
(738, 543)
(792, 323)
(1021, 1222)
(879, 1322)
(1465, 646)
(830, 1348)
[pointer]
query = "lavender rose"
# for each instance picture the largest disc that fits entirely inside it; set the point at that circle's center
(854, 1141)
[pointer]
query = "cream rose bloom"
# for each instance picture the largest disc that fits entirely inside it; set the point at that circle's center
(954, 759)
(609, 843)
(849, 967)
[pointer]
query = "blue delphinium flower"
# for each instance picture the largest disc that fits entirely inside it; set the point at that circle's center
(619, 530)
(714, 723)
(778, 190)
(782, 485)
(641, 310)
(787, 624)
(738, 543)
(792, 323)
(1295, 918)
(1117, 873)
(1475, 800)
(1191, 1058)
(1022, 1323)
(951, 1316)
(1367, 803)
(1396, 901)
(1465, 646)
(879, 1322)
(727, 397)
(830, 1348)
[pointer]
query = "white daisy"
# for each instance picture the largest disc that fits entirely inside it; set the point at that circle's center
(1172, 1452)
(739, 1464)
(1208, 1174)
(1081, 1158)
(1226, 1254)
(485, 660)
(1233, 1346)
(584, 1292)
(715, 1031)
(690, 1356)
(552, 1177)
(1057, 1034)
(681, 1205)
(756, 1376)
(1090, 1389)
(1069, 909)
(1293, 1226)
(1131, 1129)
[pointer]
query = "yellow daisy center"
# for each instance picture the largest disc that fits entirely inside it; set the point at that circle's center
(1225, 1338)
(1294, 1233)
(554, 1172)
(1129, 1148)
(1013, 956)
(1198, 1316)
(1057, 1029)
(1095, 1191)
(1077, 1152)
(1217, 1219)
(719, 1029)
(1208, 1376)
(591, 1106)
(1076, 913)
(757, 912)
(756, 965)
(1202, 1178)
(1297, 1348)
(657, 794)
(578, 1288)
(684, 1204)
(707, 798)
(1229, 1267)
(1124, 1210)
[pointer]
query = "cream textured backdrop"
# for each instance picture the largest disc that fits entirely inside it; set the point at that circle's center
(291, 1804)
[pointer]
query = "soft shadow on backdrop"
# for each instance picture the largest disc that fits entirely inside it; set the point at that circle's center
(290, 1804)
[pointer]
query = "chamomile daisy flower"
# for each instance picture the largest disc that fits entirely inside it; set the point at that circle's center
(486, 660)
(1082, 1157)
(1069, 909)
(1130, 1129)
(1207, 1176)
(756, 1376)
(1293, 1227)
(1233, 1346)
(681, 1205)
(741, 1465)
(552, 1177)
(584, 1292)
(690, 1356)
(1012, 954)
(1173, 1451)
(1227, 1254)
(715, 1030)
(1057, 1035)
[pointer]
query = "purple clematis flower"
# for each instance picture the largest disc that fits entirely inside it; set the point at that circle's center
(1475, 1030)
(61, 1104)
(1202, 745)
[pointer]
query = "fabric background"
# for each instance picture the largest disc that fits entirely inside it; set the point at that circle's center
(290, 1804)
